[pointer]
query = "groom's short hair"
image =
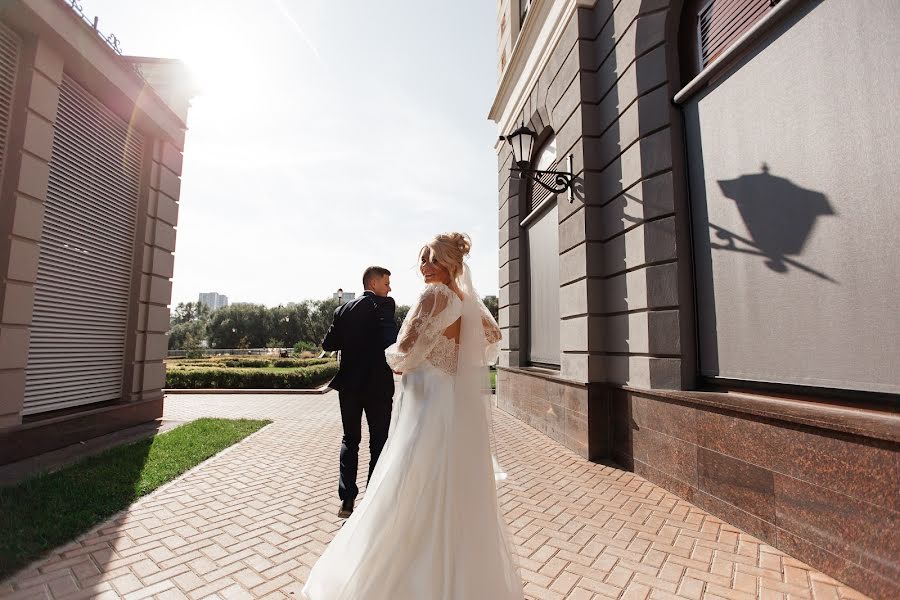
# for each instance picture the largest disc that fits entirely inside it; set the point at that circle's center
(373, 272)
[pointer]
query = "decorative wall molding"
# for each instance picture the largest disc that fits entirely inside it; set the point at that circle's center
(542, 30)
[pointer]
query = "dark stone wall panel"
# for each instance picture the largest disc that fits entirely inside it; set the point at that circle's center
(735, 514)
(664, 479)
(676, 420)
(738, 483)
(675, 457)
(840, 524)
(575, 415)
(825, 497)
(841, 463)
(874, 584)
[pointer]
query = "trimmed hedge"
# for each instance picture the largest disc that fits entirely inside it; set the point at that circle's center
(237, 378)
(248, 363)
(301, 362)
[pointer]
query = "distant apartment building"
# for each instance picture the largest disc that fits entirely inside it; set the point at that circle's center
(90, 164)
(213, 300)
(343, 297)
(715, 306)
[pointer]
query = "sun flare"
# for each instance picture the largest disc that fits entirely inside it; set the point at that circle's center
(225, 57)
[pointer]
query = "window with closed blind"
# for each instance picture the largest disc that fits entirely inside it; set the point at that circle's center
(541, 225)
(795, 271)
(712, 26)
(82, 293)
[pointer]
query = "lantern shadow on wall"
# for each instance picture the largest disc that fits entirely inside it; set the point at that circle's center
(779, 215)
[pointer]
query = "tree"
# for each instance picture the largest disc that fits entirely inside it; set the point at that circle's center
(400, 314)
(493, 306)
(241, 325)
(321, 314)
(188, 326)
(187, 312)
(184, 336)
(290, 324)
(245, 325)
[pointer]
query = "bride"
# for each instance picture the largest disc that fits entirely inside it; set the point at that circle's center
(430, 527)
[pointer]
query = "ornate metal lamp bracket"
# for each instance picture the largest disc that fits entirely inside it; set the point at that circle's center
(552, 181)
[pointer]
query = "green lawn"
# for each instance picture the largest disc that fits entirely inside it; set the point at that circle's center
(42, 513)
(493, 380)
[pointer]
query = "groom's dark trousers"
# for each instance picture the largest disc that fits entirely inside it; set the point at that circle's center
(361, 330)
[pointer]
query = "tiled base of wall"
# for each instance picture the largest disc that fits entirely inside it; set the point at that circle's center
(830, 499)
(57, 430)
(576, 416)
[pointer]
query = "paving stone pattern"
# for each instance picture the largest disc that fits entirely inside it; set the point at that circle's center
(250, 523)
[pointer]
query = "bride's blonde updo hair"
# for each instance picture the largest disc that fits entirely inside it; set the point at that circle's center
(449, 249)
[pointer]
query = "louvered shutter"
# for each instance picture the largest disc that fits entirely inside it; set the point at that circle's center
(721, 22)
(9, 65)
(538, 193)
(545, 160)
(77, 349)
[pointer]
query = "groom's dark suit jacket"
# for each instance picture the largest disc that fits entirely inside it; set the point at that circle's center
(361, 330)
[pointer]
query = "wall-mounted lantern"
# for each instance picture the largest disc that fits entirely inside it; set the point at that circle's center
(522, 142)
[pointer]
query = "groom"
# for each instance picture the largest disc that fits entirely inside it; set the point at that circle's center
(361, 330)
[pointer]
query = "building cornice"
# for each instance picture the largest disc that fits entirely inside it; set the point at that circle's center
(98, 67)
(542, 30)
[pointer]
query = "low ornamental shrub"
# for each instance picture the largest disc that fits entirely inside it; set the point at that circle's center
(238, 378)
(300, 362)
(302, 347)
(189, 361)
(246, 363)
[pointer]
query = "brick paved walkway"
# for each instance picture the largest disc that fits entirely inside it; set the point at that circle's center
(250, 522)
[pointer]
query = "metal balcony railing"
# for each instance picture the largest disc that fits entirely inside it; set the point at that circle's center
(110, 39)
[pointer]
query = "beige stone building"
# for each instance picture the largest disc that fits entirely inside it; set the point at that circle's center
(90, 164)
(715, 307)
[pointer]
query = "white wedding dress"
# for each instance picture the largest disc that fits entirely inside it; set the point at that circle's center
(429, 526)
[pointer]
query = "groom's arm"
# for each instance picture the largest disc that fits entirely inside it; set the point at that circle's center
(333, 339)
(387, 324)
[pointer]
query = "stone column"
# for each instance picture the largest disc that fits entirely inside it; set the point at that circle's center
(510, 250)
(152, 325)
(632, 326)
(24, 189)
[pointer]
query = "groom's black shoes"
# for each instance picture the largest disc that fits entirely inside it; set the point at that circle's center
(346, 509)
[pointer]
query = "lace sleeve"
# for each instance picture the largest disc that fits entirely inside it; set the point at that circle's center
(425, 322)
(491, 329)
(492, 335)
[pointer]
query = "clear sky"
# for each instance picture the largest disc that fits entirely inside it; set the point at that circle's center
(330, 135)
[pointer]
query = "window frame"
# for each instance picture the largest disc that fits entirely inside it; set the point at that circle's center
(694, 77)
(690, 39)
(524, 9)
(530, 215)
